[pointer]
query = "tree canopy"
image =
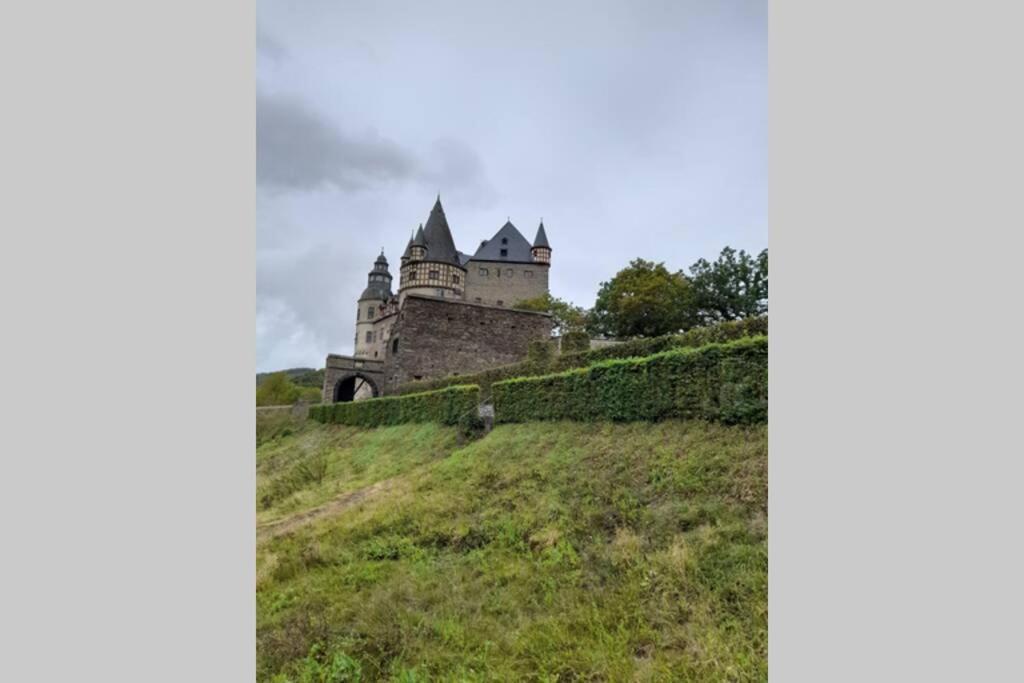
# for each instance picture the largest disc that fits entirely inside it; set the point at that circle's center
(566, 317)
(733, 287)
(644, 299)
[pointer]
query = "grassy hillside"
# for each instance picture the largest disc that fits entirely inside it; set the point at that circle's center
(543, 552)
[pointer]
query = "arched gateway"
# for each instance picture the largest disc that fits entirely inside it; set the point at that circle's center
(349, 379)
(353, 386)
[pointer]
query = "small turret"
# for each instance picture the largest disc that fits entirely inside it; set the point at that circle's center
(418, 246)
(541, 250)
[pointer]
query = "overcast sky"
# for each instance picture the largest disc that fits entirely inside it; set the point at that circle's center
(635, 129)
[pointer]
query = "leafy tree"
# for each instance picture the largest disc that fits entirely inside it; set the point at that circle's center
(277, 390)
(567, 318)
(733, 287)
(643, 300)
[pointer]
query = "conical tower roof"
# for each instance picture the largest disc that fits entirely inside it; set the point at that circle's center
(419, 240)
(541, 240)
(440, 245)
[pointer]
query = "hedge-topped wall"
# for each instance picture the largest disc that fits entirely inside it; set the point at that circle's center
(447, 406)
(701, 336)
(724, 382)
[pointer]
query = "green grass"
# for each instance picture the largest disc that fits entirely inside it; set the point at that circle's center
(543, 552)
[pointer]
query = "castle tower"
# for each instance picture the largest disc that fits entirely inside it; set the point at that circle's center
(371, 301)
(541, 250)
(418, 246)
(433, 268)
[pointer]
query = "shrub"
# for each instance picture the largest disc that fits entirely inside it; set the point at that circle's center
(575, 342)
(723, 382)
(699, 336)
(446, 406)
(277, 390)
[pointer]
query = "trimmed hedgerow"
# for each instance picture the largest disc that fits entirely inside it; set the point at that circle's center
(700, 336)
(721, 382)
(447, 406)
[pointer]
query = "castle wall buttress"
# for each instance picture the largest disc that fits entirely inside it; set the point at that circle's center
(442, 337)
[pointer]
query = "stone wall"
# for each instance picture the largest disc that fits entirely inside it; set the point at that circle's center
(340, 367)
(441, 337)
(505, 282)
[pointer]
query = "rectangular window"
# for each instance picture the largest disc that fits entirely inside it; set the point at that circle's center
(500, 302)
(508, 272)
(455, 279)
(369, 337)
(434, 275)
(504, 252)
(369, 313)
(359, 312)
(527, 273)
(412, 275)
(479, 300)
(483, 272)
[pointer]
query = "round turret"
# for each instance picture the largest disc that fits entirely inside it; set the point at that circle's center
(541, 250)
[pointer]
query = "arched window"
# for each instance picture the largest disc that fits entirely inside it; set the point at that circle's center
(394, 345)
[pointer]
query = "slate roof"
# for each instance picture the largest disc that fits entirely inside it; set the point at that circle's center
(541, 240)
(438, 237)
(516, 246)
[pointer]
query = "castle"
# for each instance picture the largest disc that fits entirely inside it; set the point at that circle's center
(453, 313)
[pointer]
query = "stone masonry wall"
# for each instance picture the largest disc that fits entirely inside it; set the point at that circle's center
(441, 337)
(505, 282)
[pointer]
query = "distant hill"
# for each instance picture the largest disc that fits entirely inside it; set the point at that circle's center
(303, 377)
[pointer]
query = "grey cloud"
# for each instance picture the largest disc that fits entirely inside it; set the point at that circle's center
(296, 149)
(268, 46)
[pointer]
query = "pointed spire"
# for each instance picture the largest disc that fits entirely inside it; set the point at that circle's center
(438, 237)
(541, 240)
(419, 240)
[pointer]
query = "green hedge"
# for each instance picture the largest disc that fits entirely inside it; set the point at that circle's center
(722, 382)
(447, 406)
(700, 336)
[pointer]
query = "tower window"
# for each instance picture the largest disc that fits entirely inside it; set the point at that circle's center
(369, 313)
(483, 272)
(359, 312)
(527, 273)
(369, 337)
(455, 279)
(394, 345)
(435, 274)
(412, 274)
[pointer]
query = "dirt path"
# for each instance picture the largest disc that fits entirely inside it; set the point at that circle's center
(328, 509)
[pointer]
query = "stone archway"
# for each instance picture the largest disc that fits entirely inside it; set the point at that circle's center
(351, 386)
